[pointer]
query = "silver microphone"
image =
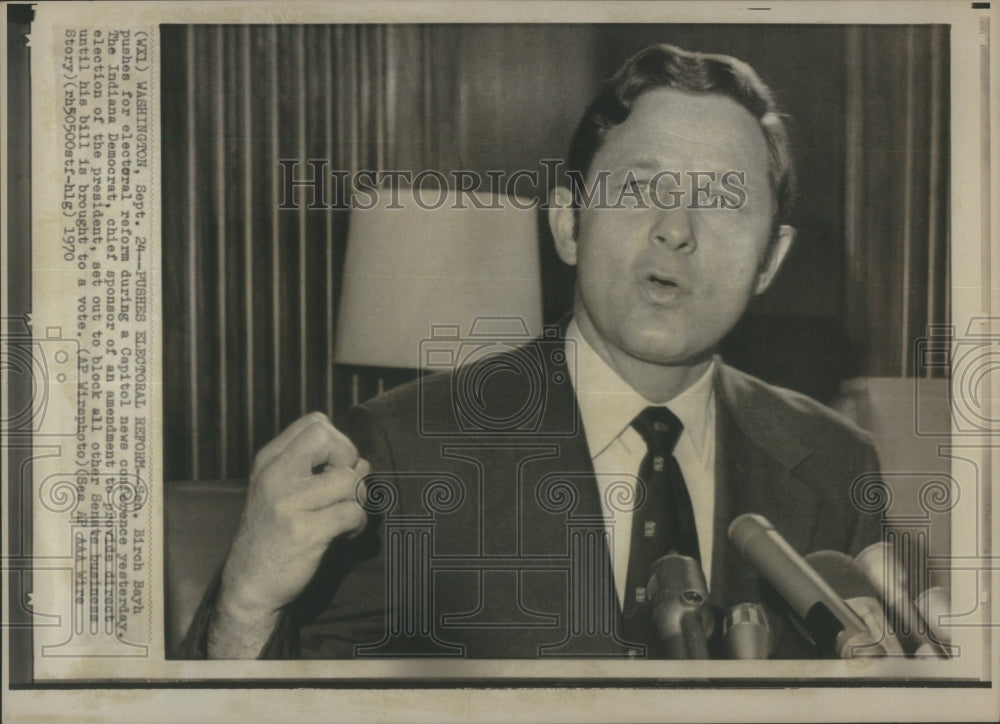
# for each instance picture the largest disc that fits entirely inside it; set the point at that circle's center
(681, 614)
(845, 576)
(747, 633)
(830, 622)
(881, 567)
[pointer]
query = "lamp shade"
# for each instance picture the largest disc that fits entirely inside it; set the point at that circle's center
(411, 269)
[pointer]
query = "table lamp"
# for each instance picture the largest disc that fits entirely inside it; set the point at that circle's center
(420, 261)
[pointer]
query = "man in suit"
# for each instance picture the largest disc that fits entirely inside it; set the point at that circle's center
(513, 507)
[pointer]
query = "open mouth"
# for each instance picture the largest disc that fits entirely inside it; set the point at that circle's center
(663, 289)
(665, 282)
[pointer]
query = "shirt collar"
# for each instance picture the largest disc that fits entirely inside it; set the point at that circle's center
(608, 404)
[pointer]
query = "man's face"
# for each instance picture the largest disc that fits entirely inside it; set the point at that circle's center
(664, 285)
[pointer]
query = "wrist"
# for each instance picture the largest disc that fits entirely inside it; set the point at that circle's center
(237, 631)
(243, 604)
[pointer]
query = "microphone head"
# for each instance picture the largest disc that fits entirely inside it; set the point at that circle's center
(747, 632)
(880, 565)
(819, 608)
(909, 618)
(681, 612)
(849, 581)
(674, 575)
(745, 527)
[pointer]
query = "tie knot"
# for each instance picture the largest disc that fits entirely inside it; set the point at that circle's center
(660, 428)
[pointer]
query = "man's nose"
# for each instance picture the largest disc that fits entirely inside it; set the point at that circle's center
(673, 228)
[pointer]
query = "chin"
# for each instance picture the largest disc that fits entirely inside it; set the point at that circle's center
(656, 349)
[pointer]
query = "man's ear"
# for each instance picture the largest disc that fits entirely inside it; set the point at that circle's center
(777, 250)
(562, 222)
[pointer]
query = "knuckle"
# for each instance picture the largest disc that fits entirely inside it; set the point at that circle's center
(361, 492)
(260, 462)
(348, 446)
(266, 479)
(315, 416)
(355, 519)
(360, 515)
(260, 459)
(319, 433)
(345, 480)
(348, 518)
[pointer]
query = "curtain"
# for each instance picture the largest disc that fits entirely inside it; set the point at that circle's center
(251, 290)
(896, 189)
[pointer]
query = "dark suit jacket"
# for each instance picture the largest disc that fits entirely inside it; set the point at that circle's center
(486, 535)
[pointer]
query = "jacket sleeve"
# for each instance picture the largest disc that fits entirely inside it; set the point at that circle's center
(869, 522)
(195, 644)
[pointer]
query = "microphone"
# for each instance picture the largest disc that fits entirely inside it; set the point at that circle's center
(746, 632)
(680, 612)
(830, 622)
(848, 580)
(881, 567)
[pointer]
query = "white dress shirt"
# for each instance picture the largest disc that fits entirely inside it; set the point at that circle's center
(608, 405)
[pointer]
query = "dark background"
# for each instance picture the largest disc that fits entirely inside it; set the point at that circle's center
(243, 356)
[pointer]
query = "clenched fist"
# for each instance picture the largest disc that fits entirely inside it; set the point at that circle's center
(305, 490)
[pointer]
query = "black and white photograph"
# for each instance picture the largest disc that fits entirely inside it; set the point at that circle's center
(616, 358)
(581, 227)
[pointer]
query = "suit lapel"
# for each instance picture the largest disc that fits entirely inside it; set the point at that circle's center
(755, 462)
(550, 462)
(756, 457)
(561, 517)
(541, 484)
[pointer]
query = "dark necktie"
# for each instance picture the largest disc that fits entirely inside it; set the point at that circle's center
(663, 521)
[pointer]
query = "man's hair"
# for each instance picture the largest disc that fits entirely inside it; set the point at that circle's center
(666, 66)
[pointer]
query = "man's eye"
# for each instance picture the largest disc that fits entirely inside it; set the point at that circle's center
(636, 192)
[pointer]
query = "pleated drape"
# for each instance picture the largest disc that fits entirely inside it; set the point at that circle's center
(897, 186)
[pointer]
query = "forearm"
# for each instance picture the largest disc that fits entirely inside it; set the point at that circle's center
(235, 633)
(241, 622)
